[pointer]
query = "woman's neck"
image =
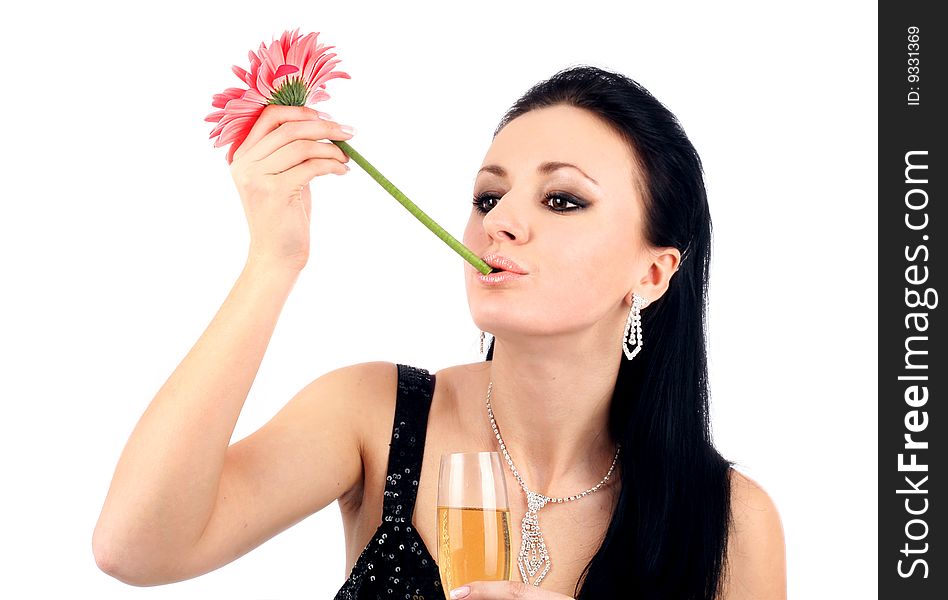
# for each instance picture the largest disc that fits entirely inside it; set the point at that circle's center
(552, 410)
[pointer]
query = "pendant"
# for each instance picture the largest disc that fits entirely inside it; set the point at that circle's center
(533, 552)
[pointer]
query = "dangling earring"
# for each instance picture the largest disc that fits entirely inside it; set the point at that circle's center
(483, 335)
(633, 327)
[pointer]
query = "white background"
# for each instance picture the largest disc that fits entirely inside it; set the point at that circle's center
(121, 233)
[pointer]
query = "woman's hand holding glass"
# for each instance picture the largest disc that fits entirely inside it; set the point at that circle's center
(504, 590)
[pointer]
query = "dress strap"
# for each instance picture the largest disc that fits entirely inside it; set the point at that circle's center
(406, 449)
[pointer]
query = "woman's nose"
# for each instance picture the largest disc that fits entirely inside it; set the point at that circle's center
(505, 222)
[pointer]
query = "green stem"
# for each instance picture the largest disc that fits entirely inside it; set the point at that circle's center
(419, 214)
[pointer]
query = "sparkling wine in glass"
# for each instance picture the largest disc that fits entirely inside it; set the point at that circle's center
(473, 519)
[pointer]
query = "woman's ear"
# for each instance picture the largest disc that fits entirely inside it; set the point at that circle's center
(663, 264)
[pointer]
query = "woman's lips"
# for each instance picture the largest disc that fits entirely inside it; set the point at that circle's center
(498, 278)
(502, 263)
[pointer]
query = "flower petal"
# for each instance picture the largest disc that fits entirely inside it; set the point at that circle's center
(300, 51)
(268, 59)
(331, 75)
(217, 130)
(317, 95)
(252, 95)
(318, 67)
(219, 100)
(244, 75)
(243, 108)
(236, 129)
(286, 70)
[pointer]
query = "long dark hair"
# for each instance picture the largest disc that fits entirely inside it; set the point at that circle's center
(668, 534)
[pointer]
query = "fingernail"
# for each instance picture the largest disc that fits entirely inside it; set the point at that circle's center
(460, 592)
(324, 115)
(348, 129)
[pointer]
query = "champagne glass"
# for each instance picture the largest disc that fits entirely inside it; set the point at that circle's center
(473, 519)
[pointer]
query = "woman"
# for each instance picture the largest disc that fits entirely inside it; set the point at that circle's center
(595, 380)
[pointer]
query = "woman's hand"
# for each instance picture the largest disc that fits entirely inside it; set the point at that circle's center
(504, 590)
(272, 169)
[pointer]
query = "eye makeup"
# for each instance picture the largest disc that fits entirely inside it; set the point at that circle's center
(550, 201)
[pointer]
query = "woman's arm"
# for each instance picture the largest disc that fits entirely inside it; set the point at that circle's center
(177, 483)
(183, 502)
(165, 484)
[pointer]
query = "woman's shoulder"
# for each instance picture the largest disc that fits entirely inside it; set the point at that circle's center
(375, 385)
(371, 391)
(382, 375)
(756, 552)
(753, 510)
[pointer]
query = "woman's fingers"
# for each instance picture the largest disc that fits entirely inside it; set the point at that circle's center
(504, 590)
(304, 172)
(272, 117)
(296, 151)
(289, 131)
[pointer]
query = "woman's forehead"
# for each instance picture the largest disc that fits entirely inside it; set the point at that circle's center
(567, 135)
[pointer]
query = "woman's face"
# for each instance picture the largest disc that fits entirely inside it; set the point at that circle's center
(579, 240)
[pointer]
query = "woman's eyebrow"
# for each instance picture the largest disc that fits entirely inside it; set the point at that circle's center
(545, 168)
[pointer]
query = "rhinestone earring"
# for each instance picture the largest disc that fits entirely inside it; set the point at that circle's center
(483, 335)
(633, 327)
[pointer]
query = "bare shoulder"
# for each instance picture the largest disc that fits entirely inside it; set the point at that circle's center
(372, 386)
(756, 552)
(376, 385)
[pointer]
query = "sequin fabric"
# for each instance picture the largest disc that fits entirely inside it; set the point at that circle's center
(396, 563)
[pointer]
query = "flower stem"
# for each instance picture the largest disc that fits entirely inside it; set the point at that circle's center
(419, 214)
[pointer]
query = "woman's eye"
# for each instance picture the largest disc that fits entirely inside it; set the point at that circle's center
(555, 201)
(479, 202)
(563, 200)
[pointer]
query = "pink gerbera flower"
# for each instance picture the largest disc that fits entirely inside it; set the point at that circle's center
(294, 72)
(291, 71)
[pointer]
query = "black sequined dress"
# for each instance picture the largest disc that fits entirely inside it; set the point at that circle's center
(396, 563)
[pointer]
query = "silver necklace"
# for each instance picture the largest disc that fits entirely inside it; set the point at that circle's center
(533, 552)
